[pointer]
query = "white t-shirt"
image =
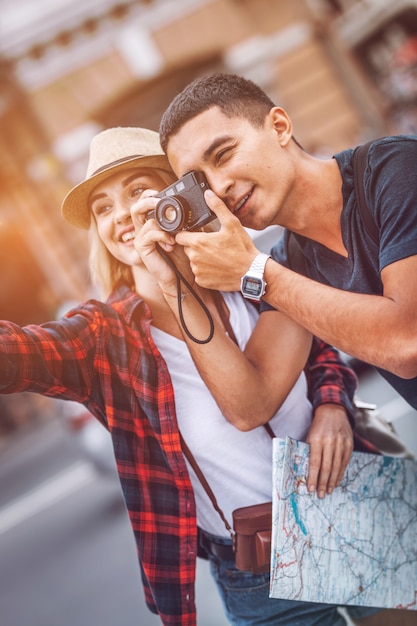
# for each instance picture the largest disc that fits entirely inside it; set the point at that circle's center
(236, 464)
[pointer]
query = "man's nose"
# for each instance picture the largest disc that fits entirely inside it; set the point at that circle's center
(221, 184)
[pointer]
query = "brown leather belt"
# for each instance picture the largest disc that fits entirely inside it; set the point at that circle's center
(222, 551)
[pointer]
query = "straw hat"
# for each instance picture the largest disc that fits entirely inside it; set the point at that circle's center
(112, 150)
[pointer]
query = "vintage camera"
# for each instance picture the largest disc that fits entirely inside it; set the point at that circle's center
(182, 205)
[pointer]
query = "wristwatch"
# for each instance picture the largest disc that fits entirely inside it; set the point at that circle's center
(252, 284)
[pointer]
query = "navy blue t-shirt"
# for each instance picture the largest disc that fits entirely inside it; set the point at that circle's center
(391, 194)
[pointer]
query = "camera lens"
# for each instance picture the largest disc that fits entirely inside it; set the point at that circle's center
(170, 214)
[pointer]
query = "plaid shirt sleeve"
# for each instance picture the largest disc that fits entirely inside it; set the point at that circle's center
(50, 359)
(330, 379)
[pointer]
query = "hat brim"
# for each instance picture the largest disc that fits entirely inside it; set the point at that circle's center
(75, 208)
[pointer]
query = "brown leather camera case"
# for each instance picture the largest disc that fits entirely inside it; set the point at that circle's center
(253, 527)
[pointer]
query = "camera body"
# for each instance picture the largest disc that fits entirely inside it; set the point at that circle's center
(182, 205)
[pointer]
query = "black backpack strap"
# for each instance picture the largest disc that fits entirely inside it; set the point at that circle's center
(296, 259)
(359, 164)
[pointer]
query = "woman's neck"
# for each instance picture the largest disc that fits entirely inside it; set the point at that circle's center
(149, 290)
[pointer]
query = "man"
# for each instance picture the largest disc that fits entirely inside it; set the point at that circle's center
(361, 295)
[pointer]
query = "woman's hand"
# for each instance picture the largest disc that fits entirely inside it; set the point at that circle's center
(153, 245)
(331, 445)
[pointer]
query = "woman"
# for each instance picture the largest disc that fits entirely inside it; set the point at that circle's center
(126, 360)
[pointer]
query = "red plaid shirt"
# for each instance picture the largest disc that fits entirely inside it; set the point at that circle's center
(103, 356)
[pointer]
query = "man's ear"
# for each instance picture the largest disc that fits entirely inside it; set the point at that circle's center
(281, 123)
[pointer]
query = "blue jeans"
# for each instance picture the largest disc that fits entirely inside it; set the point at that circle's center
(246, 600)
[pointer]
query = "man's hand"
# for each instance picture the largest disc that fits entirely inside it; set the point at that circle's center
(219, 259)
(331, 444)
(151, 242)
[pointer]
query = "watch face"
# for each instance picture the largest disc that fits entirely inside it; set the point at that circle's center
(252, 286)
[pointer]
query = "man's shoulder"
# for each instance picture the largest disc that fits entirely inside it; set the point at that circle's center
(392, 146)
(392, 158)
(382, 147)
(394, 140)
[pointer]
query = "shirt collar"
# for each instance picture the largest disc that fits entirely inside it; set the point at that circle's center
(125, 301)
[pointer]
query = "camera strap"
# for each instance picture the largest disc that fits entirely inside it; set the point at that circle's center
(192, 292)
(190, 458)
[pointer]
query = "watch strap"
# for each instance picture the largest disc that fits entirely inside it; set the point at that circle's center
(258, 264)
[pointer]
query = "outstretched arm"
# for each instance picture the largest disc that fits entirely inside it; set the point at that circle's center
(54, 359)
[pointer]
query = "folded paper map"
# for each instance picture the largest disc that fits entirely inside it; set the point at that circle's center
(357, 546)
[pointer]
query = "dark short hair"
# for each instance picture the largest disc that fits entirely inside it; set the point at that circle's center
(234, 95)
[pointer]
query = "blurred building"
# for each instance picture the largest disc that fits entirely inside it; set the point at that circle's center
(343, 69)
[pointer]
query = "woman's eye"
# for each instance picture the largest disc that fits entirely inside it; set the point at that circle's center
(136, 192)
(101, 209)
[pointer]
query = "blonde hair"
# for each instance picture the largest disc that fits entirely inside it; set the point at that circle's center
(106, 271)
